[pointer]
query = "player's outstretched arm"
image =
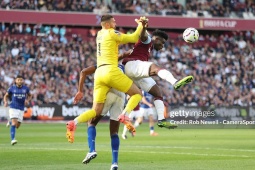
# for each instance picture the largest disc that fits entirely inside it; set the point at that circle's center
(144, 33)
(129, 38)
(83, 74)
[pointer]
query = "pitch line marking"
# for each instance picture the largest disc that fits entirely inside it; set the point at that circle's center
(176, 153)
(160, 147)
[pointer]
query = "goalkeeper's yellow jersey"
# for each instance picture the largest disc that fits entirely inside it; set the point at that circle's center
(107, 47)
(108, 41)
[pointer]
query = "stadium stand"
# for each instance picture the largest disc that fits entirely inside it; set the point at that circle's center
(51, 59)
(189, 8)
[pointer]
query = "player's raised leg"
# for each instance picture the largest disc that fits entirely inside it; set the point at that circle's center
(84, 117)
(97, 108)
(132, 103)
(168, 76)
(139, 69)
(131, 116)
(124, 84)
(135, 97)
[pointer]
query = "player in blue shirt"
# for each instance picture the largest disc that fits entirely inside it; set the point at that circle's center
(18, 93)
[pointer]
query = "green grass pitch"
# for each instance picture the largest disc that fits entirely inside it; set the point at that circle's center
(44, 147)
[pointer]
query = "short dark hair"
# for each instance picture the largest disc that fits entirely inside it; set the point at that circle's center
(106, 18)
(19, 76)
(160, 33)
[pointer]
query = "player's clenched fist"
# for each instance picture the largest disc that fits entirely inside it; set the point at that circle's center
(142, 20)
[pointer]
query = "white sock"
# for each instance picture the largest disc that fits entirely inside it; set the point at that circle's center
(160, 108)
(125, 130)
(136, 124)
(166, 75)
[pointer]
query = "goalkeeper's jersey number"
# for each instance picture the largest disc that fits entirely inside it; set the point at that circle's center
(99, 49)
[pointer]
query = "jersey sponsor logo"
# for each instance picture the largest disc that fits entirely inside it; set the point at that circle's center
(19, 96)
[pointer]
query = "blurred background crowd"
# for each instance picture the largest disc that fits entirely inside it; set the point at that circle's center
(50, 57)
(223, 65)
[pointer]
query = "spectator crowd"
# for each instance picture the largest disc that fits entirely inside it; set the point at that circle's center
(214, 8)
(223, 65)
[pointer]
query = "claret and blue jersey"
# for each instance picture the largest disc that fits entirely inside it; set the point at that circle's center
(18, 96)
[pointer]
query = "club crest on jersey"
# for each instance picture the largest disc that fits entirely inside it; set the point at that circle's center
(23, 90)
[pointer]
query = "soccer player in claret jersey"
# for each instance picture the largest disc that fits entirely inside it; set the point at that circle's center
(139, 69)
(107, 74)
(18, 93)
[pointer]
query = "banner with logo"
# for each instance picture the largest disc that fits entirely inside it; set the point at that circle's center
(178, 115)
(58, 112)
